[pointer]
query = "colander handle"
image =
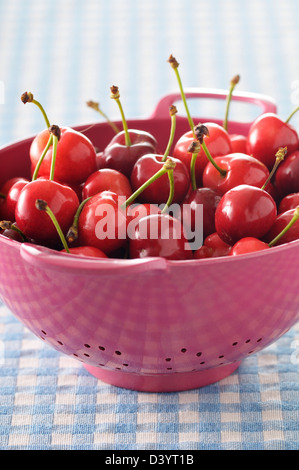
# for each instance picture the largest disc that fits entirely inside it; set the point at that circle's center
(264, 102)
(44, 258)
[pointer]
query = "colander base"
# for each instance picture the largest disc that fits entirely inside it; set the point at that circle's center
(172, 382)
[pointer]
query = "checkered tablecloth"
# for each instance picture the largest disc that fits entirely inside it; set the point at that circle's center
(67, 52)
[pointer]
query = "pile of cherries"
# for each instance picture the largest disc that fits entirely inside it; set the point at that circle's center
(247, 186)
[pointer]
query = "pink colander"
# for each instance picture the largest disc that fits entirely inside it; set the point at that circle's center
(151, 324)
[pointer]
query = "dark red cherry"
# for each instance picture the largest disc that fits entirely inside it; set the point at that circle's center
(281, 222)
(290, 201)
(287, 175)
(212, 247)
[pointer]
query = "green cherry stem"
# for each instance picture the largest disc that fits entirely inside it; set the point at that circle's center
(115, 95)
(233, 83)
(171, 191)
(36, 170)
(42, 205)
(174, 64)
(72, 233)
(96, 106)
(280, 154)
(27, 97)
(55, 132)
(289, 225)
(200, 131)
(194, 148)
(168, 165)
(291, 115)
(172, 112)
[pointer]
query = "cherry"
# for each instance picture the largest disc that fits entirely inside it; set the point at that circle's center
(244, 211)
(209, 199)
(75, 155)
(239, 169)
(90, 251)
(137, 211)
(212, 247)
(126, 146)
(217, 142)
(238, 143)
(106, 179)
(248, 245)
(284, 229)
(266, 134)
(12, 198)
(35, 224)
(287, 175)
(159, 235)
(290, 201)
(6, 212)
(102, 223)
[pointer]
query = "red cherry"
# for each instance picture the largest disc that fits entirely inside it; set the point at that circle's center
(247, 245)
(212, 247)
(122, 157)
(209, 199)
(102, 223)
(86, 251)
(290, 201)
(238, 143)
(218, 143)
(75, 158)
(281, 222)
(287, 175)
(137, 211)
(159, 235)
(5, 212)
(158, 191)
(12, 198)
(244, 211)
(240, 169)
(36, 224)
(107, 179)
(267, 133)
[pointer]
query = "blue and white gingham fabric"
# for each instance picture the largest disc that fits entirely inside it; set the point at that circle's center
(67, 52)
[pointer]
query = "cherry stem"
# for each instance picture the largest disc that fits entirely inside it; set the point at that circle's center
(55, 132)
(281, 153)
(174, 64)
(172, 112)
(115, 95)
(291, 115)
(194, 148)
(233, 83)
(8, 225)
(171, 191)
(96, 106)
(27, 97)
(72, 233)
(168, 165)
(200, 131)
(36, 170)
(289, 225)
(42, 205)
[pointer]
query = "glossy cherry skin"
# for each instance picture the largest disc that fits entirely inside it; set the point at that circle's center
(36, 224)
(107, 179)
(102, 223)
(208, 199)
(5, 212)
(212, 247)
(12, 198)
(169, 241)
(75, 158)
(240, 169)
(158, 191)
(137, 211)
(290, 201)
(248, 245)
(84, 251)
(244, 211)
(120, 157)
(287, 175)
(266, 134)
(280, 223)
(218, 143)
(238, 143)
